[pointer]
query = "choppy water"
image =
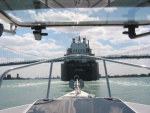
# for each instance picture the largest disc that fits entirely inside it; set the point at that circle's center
(19, 92)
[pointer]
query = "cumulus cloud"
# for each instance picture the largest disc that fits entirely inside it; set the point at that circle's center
(3, 59)
(132, 50)
(65, 15)
(50, 48)
(5, 24)
(113, 35)
(148, 17)
(106, 33)
(15, 17)
(27, 44)
(69, 30)
(110, 9)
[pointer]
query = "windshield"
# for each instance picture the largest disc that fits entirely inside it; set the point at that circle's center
(84, 18)
(76, 12)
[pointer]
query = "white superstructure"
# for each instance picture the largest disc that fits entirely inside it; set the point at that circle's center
(79, 46)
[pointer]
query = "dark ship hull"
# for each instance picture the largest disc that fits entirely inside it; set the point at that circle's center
(86, 71)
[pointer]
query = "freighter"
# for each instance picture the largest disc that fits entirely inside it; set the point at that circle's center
(85, 68)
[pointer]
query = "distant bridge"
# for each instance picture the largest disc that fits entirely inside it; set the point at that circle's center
(23, 62)
(10, 56)
(128, 57)
(107, 57)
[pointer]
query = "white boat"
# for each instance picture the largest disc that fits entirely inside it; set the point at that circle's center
(77, 101)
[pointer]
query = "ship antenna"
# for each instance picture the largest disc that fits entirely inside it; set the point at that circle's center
(79, 40)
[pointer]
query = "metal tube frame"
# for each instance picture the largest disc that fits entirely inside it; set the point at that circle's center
(107, 79)
(72, 56)
(46, 1)
(49, 80)
(108, 2)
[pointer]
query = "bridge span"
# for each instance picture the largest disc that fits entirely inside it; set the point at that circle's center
(107, 57)
(10, 56)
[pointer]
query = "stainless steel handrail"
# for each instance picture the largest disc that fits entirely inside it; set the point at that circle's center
(24, 66)
(49, 80)
(72, 56)
(107, 79)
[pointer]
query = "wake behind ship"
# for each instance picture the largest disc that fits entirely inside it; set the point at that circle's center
(86, 69)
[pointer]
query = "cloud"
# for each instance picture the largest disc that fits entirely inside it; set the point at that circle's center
(144, 39)
(88, 10)
(136, 50)
(50, 47)
(106, 33)
(99, 49)
(148, 17)
(65, 15)
(94, 32)
(5, 24)
(113, 35)
(16, 18)
(111, 9)
(69, 30)
(3, 59)
(27, 44)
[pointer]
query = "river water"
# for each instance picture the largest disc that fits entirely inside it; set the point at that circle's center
(19, 92)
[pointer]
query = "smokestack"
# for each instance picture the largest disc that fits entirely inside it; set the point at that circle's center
(73, 40)
(84, 40)
(88, 44)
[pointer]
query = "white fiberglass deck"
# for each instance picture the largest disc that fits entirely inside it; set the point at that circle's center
(69, 103)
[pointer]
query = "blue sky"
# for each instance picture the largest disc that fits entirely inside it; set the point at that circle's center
(59, 39)
(103, 41)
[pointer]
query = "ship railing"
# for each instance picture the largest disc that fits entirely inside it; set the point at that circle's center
(70, 56)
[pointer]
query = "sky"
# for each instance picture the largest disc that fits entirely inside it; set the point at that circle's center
(107, 40)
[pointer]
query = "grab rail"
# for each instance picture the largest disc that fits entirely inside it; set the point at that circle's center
(75, 56)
